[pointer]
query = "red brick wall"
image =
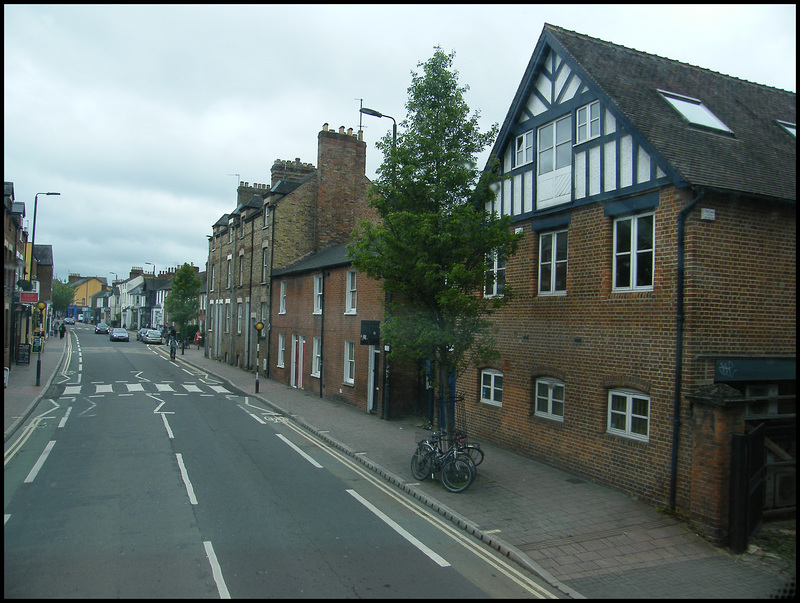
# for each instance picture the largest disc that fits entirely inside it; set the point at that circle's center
(740, 298)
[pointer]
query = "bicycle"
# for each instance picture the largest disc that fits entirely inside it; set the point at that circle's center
(473, 450)
(172, 352)
(456, 468)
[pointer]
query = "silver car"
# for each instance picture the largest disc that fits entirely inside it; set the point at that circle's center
(151, 336)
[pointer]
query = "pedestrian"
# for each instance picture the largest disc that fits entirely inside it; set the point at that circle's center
(61, 330)
(198, 339)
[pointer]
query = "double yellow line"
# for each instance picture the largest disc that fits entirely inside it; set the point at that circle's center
(26, 433)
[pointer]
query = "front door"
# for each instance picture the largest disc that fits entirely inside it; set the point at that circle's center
(298, 360)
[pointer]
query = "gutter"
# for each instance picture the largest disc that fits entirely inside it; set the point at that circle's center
(676, 418)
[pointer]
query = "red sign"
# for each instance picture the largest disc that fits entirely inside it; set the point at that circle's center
(28, 297)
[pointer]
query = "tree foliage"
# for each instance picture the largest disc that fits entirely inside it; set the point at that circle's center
(63, 294)
(431, 245)
(183, 302)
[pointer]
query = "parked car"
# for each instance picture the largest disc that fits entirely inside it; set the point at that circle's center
(101, 328)
(118, 334)
(152, 336)
(140, 334)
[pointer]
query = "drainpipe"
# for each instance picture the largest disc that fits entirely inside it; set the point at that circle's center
(271, 268)
(321, 336)
(676, 418)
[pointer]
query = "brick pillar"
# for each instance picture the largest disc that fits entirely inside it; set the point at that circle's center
(718, 413)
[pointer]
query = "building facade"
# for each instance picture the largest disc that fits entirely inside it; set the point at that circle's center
(644, 333)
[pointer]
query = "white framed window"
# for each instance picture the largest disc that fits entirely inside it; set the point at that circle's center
(587, 122)
(241, 269)
(281, 349)
(554, 152)
(629, 414)
(230, 273)
(352, 293)
(694, 111)
(495, 280)
(549, 399)
(227, 317)
(213, 275)
(264, 264)
(349, 362)
(317, 294)
(524, 149)
(492, 387)
(239, 317)
(634, 253)
(316, 358)
(553, 263)
(230, 232)
(282, 302)
(266, 215)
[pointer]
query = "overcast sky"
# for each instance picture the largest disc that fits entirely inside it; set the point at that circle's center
(141, 116)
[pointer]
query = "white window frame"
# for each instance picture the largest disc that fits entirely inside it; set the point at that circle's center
(492, 387)
(213, 275)
(227, 317)
(552, 171)
(587, 126)
(282, 302)
(266, 216)
(553, 263)
(546, 393)
(230, 273)
(318, 294)
(264, 264)
(241, 269)
(623, 421)
(523, 149)
(351, 298)
(637, 258)
(349, 362)
(495, 276)
(281, 350)
(239, 318)
(316, 358)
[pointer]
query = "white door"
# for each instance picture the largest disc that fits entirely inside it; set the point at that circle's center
(372, 376)
(298, 360)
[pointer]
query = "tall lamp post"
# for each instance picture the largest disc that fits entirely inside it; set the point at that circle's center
(41, 306)
(374, 113)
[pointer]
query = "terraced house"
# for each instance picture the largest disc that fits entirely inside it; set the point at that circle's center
(654, 319)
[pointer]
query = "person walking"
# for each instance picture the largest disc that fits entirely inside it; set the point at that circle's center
(173, 347)
(61, 330)
(198, 339)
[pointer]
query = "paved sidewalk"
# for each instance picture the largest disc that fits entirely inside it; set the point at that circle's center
(584, 539)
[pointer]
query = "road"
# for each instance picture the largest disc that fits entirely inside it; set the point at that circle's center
(141, 477)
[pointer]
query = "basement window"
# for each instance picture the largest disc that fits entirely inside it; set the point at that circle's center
(694, 111)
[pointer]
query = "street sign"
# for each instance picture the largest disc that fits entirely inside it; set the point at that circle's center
(28, 297)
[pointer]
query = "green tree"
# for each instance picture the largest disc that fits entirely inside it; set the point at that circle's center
(183, 302)
(63, 294)
(435, 243)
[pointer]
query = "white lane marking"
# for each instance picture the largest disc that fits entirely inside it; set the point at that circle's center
(66, 416)
(166, 424)
(42, 458)
(300, 452)
(135, 387)
(164, 387)
(219, 389)
(107, 388)
(72, 390)
(190, 387)
(185, 478)
(435, 557)
(216, 570)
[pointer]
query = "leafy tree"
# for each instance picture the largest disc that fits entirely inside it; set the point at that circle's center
(183, 302)
(63, 294)
(432, 245)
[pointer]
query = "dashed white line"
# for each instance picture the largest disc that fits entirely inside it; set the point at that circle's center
(216, 570)
(300, 452)
(185, 478)
(66, 416)
(42, 458)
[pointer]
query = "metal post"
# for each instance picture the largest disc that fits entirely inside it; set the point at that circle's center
(259, 326)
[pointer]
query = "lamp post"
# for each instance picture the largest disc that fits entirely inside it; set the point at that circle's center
(41, 306)
(259, 327)
(374, 113)
(33, 236)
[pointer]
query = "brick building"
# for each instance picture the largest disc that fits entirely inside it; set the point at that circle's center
(654, 317)
(281, 251)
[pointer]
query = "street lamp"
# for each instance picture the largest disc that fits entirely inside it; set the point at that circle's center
(375, 113)
(33, 237)
(259, 327)
(41, 306)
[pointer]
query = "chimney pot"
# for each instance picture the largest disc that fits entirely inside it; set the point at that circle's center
(349, 131)
(325, 127)
(341, 129)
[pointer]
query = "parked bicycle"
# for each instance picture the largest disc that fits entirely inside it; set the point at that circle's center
(455, 467)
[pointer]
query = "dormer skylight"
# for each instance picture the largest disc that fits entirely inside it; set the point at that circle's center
(789, 127)
(694, 111)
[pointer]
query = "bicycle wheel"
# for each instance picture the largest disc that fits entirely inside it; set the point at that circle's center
(422, 462)
(475, 453)
(458, 473)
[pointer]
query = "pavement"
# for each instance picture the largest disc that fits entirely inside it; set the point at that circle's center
(584, 539)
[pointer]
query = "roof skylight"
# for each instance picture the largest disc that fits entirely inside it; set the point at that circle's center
(694, 111)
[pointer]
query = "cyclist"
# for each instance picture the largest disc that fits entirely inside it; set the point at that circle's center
(173, 347)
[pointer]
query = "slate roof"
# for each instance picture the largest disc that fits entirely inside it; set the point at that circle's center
(43, 254)
(334, 255)
(759, 159)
